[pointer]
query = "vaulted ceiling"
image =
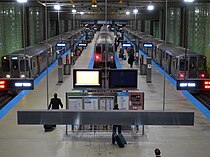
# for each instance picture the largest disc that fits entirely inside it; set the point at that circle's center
(112, 9)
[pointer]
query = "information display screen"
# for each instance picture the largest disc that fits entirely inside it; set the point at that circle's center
(123, 79)
(85, 78)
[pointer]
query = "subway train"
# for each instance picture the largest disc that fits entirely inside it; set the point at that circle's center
(171, 57)
(104, 49)
(33, 60)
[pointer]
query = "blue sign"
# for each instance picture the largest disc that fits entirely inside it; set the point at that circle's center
(61, 44)
(148, 45)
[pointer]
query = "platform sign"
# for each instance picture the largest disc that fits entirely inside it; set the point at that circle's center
(123, 101)
(148, 45)
(61, 44)
(203, 84)
(90, 103)
(126, 45)
(82, 44)
(74, 103)
(106, 103)
(16, 84)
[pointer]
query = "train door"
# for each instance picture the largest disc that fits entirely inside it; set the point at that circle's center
(169, 63)
(173, 67)
(24, 68)
(192, 73)
(202, 72)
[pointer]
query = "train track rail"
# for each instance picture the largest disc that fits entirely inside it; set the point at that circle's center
(204, 98)
(5, 98)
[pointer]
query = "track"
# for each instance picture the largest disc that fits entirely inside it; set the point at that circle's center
(203, 97)
(5, 98)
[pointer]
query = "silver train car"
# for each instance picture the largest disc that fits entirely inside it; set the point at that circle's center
(33, 60)
(171, 57)
(104, 49)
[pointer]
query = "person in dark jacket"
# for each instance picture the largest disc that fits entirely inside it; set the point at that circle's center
(131, 60)
(115, 127)
(157, 152)
(55, 103)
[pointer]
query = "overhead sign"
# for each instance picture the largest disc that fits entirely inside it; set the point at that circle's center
(148, 45)
(10, 84)
(61, 44)
(126, 45)
(193, 85)
(82, 44)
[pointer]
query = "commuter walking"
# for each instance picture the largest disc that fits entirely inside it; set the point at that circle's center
(131, 59)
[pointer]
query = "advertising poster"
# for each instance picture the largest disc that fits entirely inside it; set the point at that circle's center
(123, 101)
(106, 103)
(74, 103)
(90, 103)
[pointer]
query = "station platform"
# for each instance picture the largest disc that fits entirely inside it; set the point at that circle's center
(32, 141)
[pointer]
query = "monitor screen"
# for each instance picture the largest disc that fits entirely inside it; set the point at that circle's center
(85, 78)
(123, 79)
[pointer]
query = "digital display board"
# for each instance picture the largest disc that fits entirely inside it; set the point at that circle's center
(16, 83)
(123, 78)
(87, 78)
(193, 84)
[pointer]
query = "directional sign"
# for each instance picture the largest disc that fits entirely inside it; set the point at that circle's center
(9, 84)
(193, 84)
(61, 44)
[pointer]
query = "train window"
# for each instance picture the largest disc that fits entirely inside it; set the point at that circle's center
(15, 64)
(5, 65)
(34, 63)
(23, 64)
(110, 48)
(192, 64)
(182, 65)
(98, 50)
(201, 64)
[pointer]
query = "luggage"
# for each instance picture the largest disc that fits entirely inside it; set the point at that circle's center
(49, 127)
(120, 140)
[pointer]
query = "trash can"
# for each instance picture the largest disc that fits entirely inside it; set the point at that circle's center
(67, 69)
(143, 69)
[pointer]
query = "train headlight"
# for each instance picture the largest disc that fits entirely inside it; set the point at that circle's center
(22, 76)
(7, 76)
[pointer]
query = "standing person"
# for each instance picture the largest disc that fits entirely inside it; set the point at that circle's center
(55, 102)
(115, 127)
(157, 152)
(131, 59)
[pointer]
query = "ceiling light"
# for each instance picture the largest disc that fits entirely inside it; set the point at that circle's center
(188, 0)
(57, 7)
(150, 7)
(82, 13)
(127, 12)
(22, 1)
(73, 11)
(135, 11)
